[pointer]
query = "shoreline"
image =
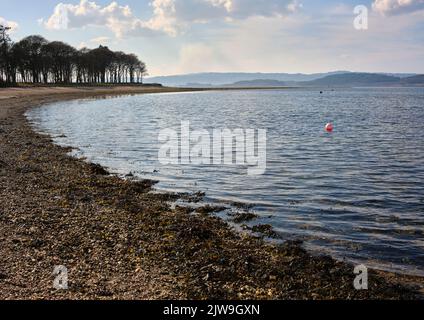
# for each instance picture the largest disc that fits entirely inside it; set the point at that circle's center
(120, 241)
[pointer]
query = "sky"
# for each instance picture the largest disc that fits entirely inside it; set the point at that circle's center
(189, 36)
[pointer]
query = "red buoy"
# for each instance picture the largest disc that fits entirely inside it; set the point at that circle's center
(329, 127)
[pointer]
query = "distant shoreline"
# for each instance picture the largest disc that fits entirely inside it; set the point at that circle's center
(119, 241)
(337, 79)
(143, 87)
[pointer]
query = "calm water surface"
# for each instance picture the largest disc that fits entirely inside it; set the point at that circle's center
(356, 194)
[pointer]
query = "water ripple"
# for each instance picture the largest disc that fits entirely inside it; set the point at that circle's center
(356, 194)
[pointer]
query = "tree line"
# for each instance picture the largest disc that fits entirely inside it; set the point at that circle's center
(36, 60)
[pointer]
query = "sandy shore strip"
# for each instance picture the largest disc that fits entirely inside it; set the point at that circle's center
(120, 241)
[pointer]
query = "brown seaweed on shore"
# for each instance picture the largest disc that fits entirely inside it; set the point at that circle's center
(240, 217)
(208, 209)
(265, 229)
(98, 169)
(193, 197)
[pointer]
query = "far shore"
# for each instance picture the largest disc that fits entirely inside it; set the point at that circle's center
(118, 240)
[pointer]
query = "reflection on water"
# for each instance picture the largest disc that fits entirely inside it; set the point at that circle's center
(357, 193)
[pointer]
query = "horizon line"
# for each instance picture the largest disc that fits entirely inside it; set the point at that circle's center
(287, 73)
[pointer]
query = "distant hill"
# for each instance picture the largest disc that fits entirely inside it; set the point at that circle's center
(260, 83)
(401, 75)
(354, 79)
(217, 79)
(340, 80)
(337, 78)
(415, 80)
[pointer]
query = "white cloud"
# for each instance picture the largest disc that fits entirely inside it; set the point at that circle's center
(87, 13)
(168, 16)
(193, 57)
(82, 45)
(93, 42)
(242, 48)
(393, 7)
(100, 40)
(11, 24)
(301, 43)
(206, 10)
